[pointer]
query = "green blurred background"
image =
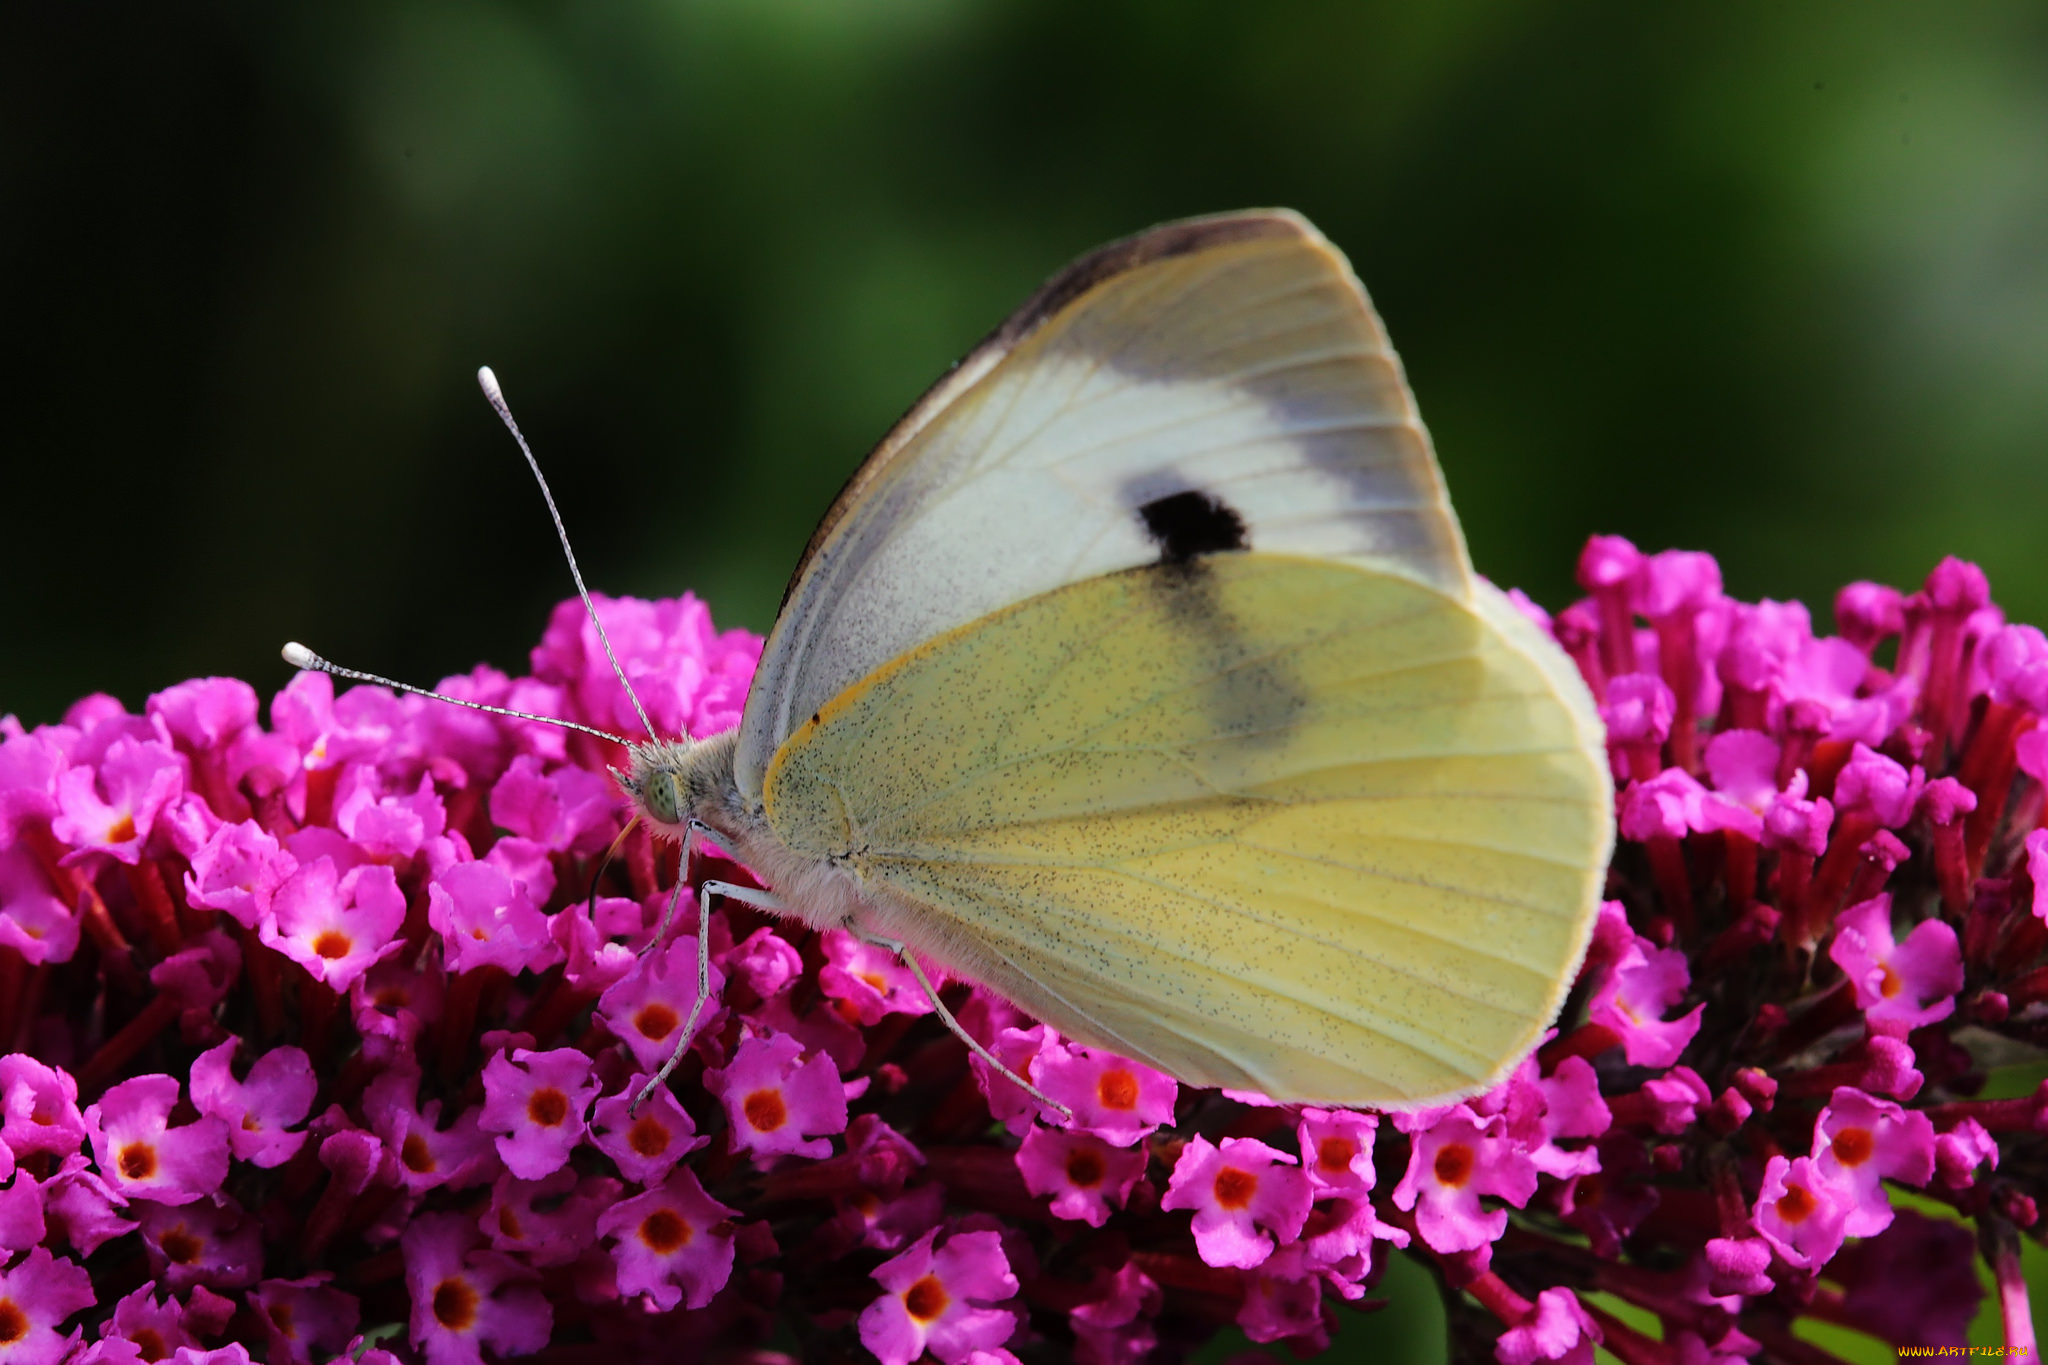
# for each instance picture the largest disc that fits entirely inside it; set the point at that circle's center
(1765, 279)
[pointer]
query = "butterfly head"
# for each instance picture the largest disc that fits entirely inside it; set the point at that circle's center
(671, 782)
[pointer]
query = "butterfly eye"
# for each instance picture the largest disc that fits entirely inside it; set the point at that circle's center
(660, 798)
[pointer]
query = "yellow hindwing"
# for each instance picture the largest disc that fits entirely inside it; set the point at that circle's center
(1279, 823)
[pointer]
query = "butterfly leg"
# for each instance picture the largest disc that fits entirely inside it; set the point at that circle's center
(746, 894)
(691, 833)
(909, 960)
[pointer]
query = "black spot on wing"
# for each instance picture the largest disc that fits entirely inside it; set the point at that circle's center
(1191, 523)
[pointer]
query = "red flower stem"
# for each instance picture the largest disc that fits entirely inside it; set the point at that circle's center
(2023, 942)
(2000, 1242)
(325, 1219)
(320, 785)
(1734, 944)
(1587, 1040)
(1177, 1270)
(316, 1015)
(1996, 757)
(1497, 1298)
(551, 1010)
(1674, 882)
(1795, 879)
(160, 915)
(1681, 671)
(2028, 1113)
(1739, 870)
(159, 1014)
(1831, 878)
(1625, 1343)
(2029, 988)
(1832, 1010)
(1952, 862)
(266, 981)
(458, 1017)
(30, 1009)
(14, 972)
(1617, 630)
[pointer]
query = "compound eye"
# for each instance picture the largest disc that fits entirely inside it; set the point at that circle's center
(660, 797)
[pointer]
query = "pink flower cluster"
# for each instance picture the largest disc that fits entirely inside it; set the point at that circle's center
(322, 1038)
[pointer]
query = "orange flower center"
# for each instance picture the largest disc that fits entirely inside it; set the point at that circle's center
(455, 1304)
(1234, 1188)
(1890, 986)
(137, 1161)
(1117, 1089)
(1085, 1167)
(13, 1322)
(181, 1247)
(656, 1022)
(417, 1156)
(1334, 1154)
(333, 944)
(150, 1345)
(664, 1232)
(1854, 1146)
(648, 1136)
(926, 1299)
(547, 1107)
(1796, 1205)
(765, 1110)
(1453, 1165)
(122, 830)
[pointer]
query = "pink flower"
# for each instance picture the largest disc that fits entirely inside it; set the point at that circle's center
(277, 1094)
(1083, 1174)
(1666, 806)
(207, 1242)
(645, 1146)
(79, 1207)
(36, 1297)
(1904, 985)
(566, 809)
(428, 1155)
(535, 1102)
(935, 1300)
(673, 1244)
(1116, 1328)
(238, 870)
(1453, 1162)
(1861, 1142)
(1560, 1330)
(1743, 765)
(1283, 1301)
(1336, 1148)
(1874, 783)
(1119, 1101)
(336, 926)
(550, 1221)
(776, 1101)
(647, 1007)
(870, 981)
(41, 1107)
(1867, 614)
(1638, 710)
(306, 1319)
(141, 1154)
(33, 922)
(1800, 1212)
(465, 1299)
(1632, 999)
(1961, 1150)
(154, 1327)
(1235, 1190)
(485, 919)
(113, 809)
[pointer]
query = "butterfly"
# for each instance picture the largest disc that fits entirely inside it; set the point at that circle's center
(1141, 676)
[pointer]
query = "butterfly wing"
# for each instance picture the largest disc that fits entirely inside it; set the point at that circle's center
(1206, 382)
(1290, 824)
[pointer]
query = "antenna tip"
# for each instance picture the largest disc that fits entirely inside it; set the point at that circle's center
(488, 382)
(298, 656)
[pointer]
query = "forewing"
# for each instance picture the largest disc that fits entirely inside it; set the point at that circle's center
(1267, 822)
(1216, 384)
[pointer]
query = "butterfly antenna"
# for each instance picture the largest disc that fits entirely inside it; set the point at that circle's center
(298, 656)
(496, 396)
